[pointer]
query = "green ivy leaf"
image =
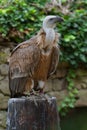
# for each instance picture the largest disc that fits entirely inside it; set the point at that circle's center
(68, 38)
(83, 58)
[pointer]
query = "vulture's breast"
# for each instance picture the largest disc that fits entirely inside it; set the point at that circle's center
(41, 72)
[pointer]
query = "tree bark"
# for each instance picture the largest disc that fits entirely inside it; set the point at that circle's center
(32, 113)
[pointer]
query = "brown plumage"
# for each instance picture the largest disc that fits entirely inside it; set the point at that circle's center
(32, 63)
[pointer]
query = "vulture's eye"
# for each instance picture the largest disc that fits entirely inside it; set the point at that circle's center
(51, 19)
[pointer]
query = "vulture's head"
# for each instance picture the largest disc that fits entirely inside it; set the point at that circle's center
(50, 21)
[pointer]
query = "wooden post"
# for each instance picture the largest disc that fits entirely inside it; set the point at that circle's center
(24, 114)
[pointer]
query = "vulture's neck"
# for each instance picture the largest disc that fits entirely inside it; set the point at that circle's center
(50, 36)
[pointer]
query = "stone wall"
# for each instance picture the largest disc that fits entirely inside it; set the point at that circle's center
(57, 85)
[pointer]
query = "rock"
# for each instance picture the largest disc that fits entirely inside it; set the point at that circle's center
(3, 115)
(4, 69)
(6, 50)
(82, 100)
(84, 79)
(4, 86)
(83, 86)
(3, 102)
(55, 85)
(4, 55)
(81, 72)
(59, 95)
(5, 43)
(58, 84)
(61, 73)
(1, 77)
(62, 65)
(1, 128)
(49, 86)
(81, 82)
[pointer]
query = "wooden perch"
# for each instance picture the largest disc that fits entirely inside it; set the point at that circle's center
(24, 114)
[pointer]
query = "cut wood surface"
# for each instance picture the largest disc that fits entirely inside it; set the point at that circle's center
(32, 113)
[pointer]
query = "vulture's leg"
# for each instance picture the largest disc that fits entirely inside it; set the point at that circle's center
(35, 89)
(41, 87)
(29, 87)
(38, 88)
(30, 90)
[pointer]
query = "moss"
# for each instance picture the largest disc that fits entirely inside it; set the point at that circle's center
(3, 57)
(81, 72)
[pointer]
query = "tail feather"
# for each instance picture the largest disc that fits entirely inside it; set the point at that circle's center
(17, 86)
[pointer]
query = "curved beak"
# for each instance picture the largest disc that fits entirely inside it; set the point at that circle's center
(58, 19)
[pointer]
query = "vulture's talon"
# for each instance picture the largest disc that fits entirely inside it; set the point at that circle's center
(27, 94)
(35, 102)
(33, 92)
(46, 97)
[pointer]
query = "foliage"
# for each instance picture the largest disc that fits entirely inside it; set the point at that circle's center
(70, 99)
(19, 20)
(73, 38)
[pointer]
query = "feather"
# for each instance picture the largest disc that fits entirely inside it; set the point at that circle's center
(54, 60)
(17, 86)
(32, 60)
(23, 62)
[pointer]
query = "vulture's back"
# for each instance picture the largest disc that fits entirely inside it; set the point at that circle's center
(23, 62)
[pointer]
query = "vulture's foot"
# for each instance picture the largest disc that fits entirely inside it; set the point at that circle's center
(33, 92)
(45, 96)
(48, 98)
(26, 94)
(35, 102)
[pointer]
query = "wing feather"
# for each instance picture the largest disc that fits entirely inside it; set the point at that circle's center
(54, 60)
(23, 62)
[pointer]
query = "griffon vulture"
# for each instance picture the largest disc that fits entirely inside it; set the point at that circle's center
(32, 62)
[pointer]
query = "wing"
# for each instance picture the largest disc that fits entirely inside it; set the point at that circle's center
(23, 62)
(54, 60)
(25, 43)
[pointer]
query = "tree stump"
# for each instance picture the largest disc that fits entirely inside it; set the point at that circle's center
(25, 114)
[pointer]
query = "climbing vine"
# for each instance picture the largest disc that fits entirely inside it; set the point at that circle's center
(70, 100)
(73, 38)
(20, 19)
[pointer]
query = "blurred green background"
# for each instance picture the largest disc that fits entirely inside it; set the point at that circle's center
(75, 120)
(21, 19)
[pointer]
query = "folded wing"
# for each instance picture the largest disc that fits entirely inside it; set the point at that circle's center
(54, 60)
(23, 62)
